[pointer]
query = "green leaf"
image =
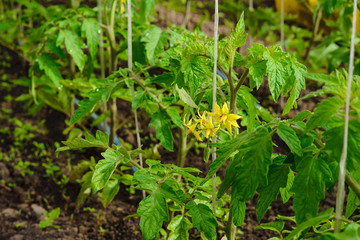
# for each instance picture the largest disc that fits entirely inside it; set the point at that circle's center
(110, 190)
(257, 71)
(277, 178)
(144, 181)
(47, 63)
(238, 211)
(289, 136)
(73, 46)
(286, 192)
(153, 211)
(323, 78)
(146, 7)
(203, 219)
(175, 116)
(179, 227)
(92, 30)
(250, 101)
(54, 214)
(276, 73)
(89, 141)
(324, 111)
(238, 38)
(353, 201)
(230, 173)
(87, 105)
(185, 97)
(314, 221)
(171, 189)
(244, 142)
(163, 129)
(273, 226)
(299, 73)
(85, 189)
(139, 98)
(155, 40)
(194, 71)
(309, 187)
(254, 165)
(105, 168)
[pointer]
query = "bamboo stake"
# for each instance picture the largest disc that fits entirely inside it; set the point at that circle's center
(132, 89)
(341, 182)
(216, 27)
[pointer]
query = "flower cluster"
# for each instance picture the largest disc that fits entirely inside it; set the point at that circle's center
(210, 122)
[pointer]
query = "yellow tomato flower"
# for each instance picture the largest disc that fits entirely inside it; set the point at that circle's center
(209, 128)
(197, 135)
(191, 127)
(222, 116)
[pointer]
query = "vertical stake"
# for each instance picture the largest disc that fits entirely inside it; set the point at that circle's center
(216, 27)
(340, 195)
(132, 88)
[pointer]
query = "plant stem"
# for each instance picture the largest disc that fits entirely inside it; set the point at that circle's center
(101, 40)
(187, 13)
(230, 229)
(183, 150)
(340, 196)
(113, 110)
(315, 30)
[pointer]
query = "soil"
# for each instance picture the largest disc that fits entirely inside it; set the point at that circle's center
(25, 197)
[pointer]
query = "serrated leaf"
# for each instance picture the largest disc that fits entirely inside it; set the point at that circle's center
(87, 105)
(91, 28)
(276, 73)
(85, 189)
(299, 72)
(353, 201)
(273, 226)
(153, 211)
(286, 192)
(254, 165)
(105, 168)
(289, 136)
(277, 178)
(146, 7)
(168, 191)
(323, 78)
(302, 116)
(203, 219)
(238, 210)
(309, 187)
(73, 46)
(175, 117)
(163, 129)
(230, 173)
(155, 41)
(47, 63)
(185, 97)
(257, 71)
(110, 190)
(144, 181)
(179, 227)
(238, 38)
(244, 142)
(314, 221)
(324, 111)
(194, 71)
(138, 99)
(250, 101)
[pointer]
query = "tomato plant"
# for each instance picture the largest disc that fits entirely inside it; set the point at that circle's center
(168, 78)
